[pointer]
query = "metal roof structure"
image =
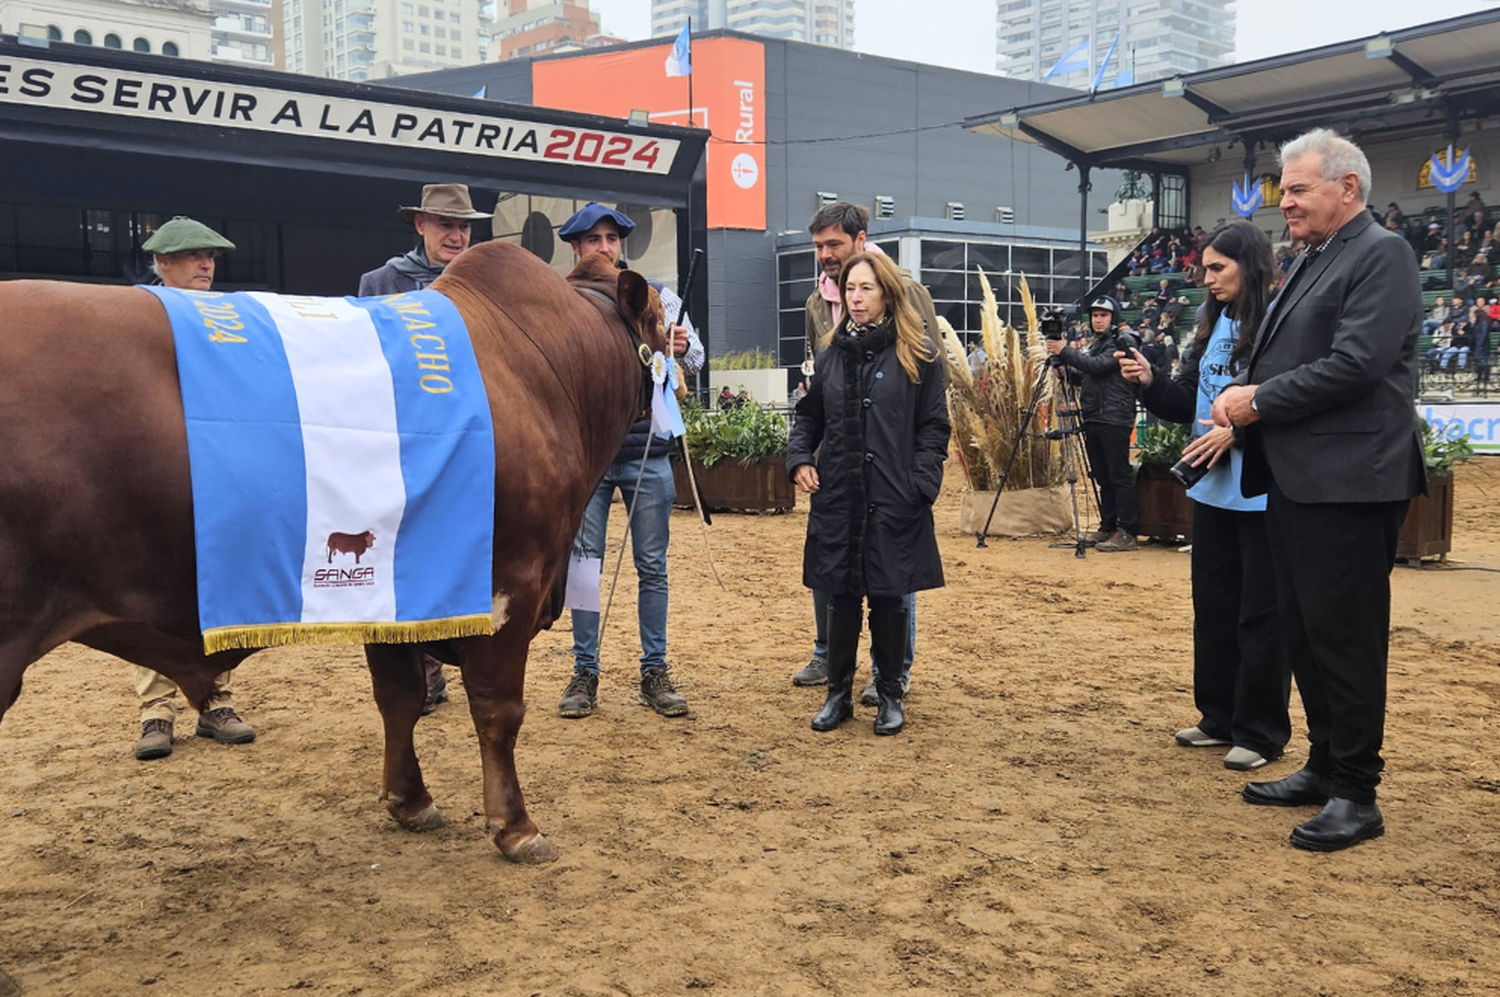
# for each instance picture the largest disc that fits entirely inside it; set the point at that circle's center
(1424, 79)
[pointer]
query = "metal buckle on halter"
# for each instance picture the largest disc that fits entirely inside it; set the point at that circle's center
(644, 352)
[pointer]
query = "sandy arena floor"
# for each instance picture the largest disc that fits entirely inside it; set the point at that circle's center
(1035, 830)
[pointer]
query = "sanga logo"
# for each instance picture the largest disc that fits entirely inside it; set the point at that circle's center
(357, 544)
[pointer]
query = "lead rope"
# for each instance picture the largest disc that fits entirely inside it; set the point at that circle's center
(687, 460)
(620, 560)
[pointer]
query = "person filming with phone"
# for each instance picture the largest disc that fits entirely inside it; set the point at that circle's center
(1241, 679)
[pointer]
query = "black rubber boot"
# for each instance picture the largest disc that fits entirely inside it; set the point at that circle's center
(843, 645)
(888, 648)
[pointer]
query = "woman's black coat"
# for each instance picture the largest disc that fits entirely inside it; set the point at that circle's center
(883, 442)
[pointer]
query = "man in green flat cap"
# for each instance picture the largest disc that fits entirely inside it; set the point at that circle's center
(183, 251)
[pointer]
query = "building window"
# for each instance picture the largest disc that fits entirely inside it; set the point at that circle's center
(440, 50)
(112, 40)
(54, 33)
(141, 45)
(408, 27)
(424, 47)
(455, 17)
(408, 8)
(408, 44)
(82, 37)
(454, 35)
(423, 12)
(422, 29)
(170, 48)
(440, 32)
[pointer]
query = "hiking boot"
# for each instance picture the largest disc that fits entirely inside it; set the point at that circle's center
(437, 684)
(156, 740)
(579, 697)
(1098, 537)
(1121, 541)
(224, 726)
(658, 693)
(815, 672)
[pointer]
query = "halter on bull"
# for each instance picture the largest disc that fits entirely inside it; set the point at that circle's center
(96, 515)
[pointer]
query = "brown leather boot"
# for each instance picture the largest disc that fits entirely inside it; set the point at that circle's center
(156, 740)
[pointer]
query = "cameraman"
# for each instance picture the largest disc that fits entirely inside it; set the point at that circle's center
(1108, 402)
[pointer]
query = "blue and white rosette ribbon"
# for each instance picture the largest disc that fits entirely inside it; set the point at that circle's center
(666, 417)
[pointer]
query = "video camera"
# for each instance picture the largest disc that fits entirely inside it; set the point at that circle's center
(1053, 322)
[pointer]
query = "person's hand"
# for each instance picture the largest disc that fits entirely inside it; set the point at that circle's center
(1206, 450)
(679, 340)
(1054, 346)
(1134, 367)
(807, 478)
(1232, 407)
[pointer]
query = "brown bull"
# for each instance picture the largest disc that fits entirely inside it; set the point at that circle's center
(96, 516)
(350, 543)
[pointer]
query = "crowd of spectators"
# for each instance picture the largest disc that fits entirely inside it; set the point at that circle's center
(1177, 250)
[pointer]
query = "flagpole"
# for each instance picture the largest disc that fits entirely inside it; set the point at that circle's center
(690, 75)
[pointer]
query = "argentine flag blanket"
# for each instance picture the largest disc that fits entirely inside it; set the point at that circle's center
(343, 468)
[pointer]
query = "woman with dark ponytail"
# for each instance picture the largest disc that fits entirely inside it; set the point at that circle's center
(1241, 680)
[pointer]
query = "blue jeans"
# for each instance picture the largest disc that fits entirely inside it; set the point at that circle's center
(820, 638)
(1462, 352)
(649, 530)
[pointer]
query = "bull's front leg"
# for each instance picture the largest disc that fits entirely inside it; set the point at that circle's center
(400, 688)
(494, 670)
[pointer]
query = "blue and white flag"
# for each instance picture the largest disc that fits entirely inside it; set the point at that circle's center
(343, 468)
(1099, 76)
(680, 61)
(1125, 79)
(1072, 61)
(482, 92)
(1451, 175)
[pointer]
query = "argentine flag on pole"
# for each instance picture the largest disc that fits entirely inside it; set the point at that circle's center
(1075, 59)
(680, 61)
(1099, 76)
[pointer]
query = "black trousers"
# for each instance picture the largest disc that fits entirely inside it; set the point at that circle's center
(1108, 450)
(853, 605)
(1333, 577)
(1241, 679)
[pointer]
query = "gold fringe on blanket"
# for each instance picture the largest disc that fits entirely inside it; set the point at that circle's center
(283, 634)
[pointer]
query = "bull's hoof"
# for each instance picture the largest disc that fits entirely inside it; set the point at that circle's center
(535, 850)
(429, 818)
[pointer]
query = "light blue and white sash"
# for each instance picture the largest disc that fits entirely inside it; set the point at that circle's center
(343, 468)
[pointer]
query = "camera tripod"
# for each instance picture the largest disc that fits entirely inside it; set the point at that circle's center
(1064, 425)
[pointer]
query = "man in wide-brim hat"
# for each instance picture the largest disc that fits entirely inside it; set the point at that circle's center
(183, 253)
(442, 221)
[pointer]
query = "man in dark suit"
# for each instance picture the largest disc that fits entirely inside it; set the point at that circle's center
(1331, 437)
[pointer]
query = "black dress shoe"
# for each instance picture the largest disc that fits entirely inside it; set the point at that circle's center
(1341, 824)
(1299, 789)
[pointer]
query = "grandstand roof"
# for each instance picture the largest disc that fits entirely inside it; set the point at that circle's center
(1406, 81)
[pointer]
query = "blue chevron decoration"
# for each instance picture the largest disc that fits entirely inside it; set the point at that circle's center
(1247, 199)
(1448, 177)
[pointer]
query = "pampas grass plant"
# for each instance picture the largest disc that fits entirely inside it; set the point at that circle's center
(986, 410)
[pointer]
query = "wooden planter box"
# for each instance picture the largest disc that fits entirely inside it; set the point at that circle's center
(1428, 528)
(735, 486)
(1166, 510)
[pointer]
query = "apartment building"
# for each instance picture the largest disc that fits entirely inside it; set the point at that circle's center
(1158, 38)
(375, 39)
(821, 22)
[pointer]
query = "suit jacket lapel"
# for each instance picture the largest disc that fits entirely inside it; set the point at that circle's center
(1298, 290)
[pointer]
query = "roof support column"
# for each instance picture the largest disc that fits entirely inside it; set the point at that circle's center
(1453, 132)
(1084, 186)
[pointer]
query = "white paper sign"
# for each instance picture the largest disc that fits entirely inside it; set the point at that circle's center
(583, 583)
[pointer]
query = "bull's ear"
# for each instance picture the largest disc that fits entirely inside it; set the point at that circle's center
(633, 294)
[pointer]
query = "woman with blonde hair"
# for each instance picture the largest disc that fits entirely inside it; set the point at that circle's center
(869, 444)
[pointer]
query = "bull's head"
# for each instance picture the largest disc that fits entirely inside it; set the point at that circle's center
(369, 538)
(640, 306)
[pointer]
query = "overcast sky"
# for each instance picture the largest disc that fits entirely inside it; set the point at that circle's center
(961, 33)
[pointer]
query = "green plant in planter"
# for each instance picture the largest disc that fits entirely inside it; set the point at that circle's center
(745, 360)
(1161, 446)
(1442, 453)
(746, 433)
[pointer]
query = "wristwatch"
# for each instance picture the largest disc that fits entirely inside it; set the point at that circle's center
(1254, 407)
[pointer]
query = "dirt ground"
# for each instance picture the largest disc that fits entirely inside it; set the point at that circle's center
(1035, 830)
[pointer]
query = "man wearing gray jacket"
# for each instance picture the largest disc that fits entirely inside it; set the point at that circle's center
(1330, 435)
(442, 224)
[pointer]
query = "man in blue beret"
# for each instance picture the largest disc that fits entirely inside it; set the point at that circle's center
(599, 229)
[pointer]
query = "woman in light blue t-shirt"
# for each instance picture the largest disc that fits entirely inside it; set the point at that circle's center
(1241, 681)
